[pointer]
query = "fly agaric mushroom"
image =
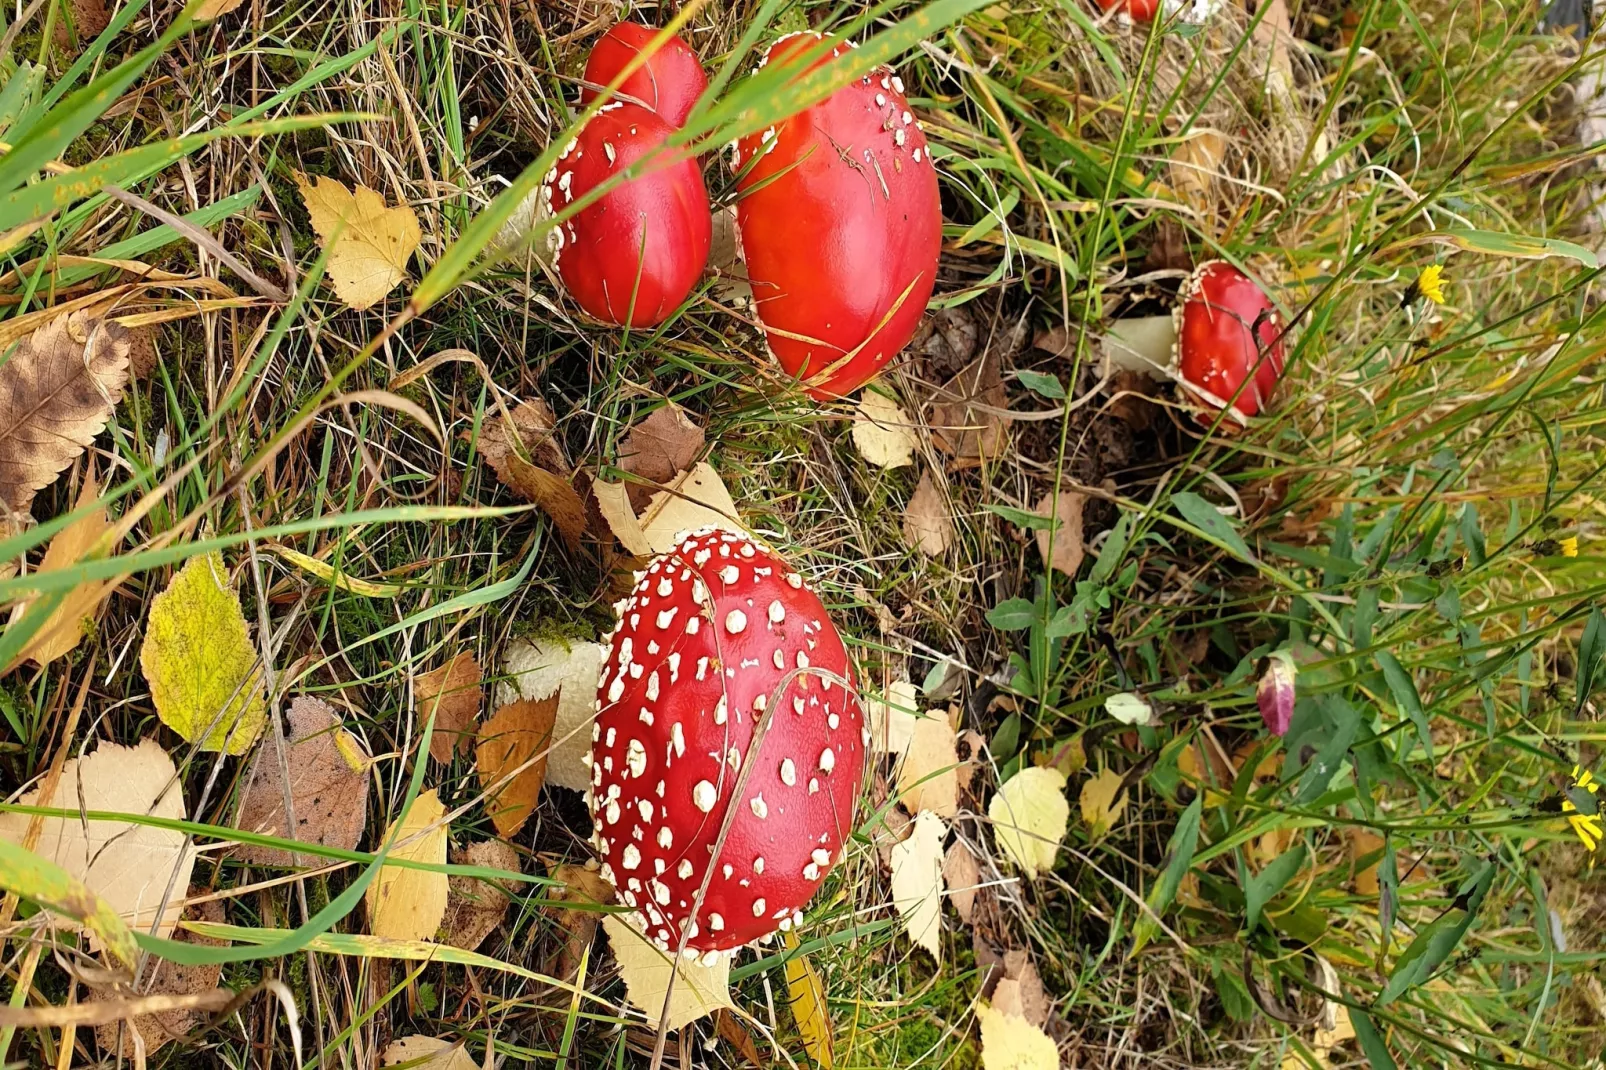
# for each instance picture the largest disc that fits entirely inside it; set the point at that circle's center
(721, 644)
(1228, 336)
(1196, 12)
(840, 225)
(633, 255)
(669, 83)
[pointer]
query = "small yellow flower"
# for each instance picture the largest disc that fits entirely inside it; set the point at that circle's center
(1569, 547)
(1430, 284)
(1587, 826)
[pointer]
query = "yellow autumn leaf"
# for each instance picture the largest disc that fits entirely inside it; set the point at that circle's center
(699, 990)
(917, 882)
(323, 570)
(698, 499)
(1030, 816)
(1103, 802)
(928, 776)
(883, 433)
(368, 244)
(807, 998)
(64, 629)
(408, 904)
(1010, 1042)
(422, 1052)
(199, 661)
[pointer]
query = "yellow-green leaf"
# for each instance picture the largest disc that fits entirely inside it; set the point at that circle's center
(199, 661)
(1496, 243)
(335, 578)
(1030, 815)
(808, 1005)
(28, 876)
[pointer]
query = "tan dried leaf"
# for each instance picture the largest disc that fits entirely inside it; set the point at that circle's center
(1193, 167)
(539, 669)
(1065, 510)
(928, 526)
(960, 422)
(613, 502)
(697, 499)
(535, 467)
(659, 448)
(928, 776)
(163, 978)
(408, 904)
(534, 434)
(57, 390)
(368, 244)
(586, 888)
(329, 775)
(475, 907)
(892, 718)
(215, 9)
(917, 882)
(962, 876)
(452, 693)
(1020, 990)
(419, 1052)
(64, 629)
(512, 758)
(1363, 870)
(883, 433)
(698, 990)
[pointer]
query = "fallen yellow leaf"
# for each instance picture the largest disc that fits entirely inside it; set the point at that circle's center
(1103, 802)
(807, 999)
(539, 669)
(408, 904)
(368, 244)
(64, 629)
(928, 777)
(1030, 815)
(917, 882)
(883, 433)
(699, 990)
(1010, 1042)
(697, 499)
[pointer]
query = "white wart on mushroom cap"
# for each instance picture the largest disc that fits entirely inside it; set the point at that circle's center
(704, 641)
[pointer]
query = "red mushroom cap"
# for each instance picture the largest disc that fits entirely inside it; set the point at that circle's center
(841, 226)
(1137, 10)
(704, 640)
(1224, 322)
(669, 82)
(635, 254)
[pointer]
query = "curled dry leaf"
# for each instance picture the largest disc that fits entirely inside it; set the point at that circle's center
(129, 866)
(408, 904)
(1010, 1042)
(530, 461)
(452, 693)
(883, 433)
(967, 418)
(475, 907)
(1365, 852)
(585, 888)
(928, 777)
(962, 876)
(163, 978)
(928, 526)
(1065, 511)
(57, 390)
(64, 629)
(699, 990)
(696, 499)
(1103, 802)
(199, 662)
(512, 760)
(540, 669)
(1194, 165)
(328, 787)
(1030, 816)
(658, 448)
(368, 244)
(894, 828)
(419, 1052)
(89, 17)
(917, 882)
(613, 504)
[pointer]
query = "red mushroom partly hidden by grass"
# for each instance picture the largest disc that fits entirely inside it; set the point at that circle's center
(633, 255)
(840, 225)
(1136, 10)
(1228, 336)
(692, 672)
(669, 83)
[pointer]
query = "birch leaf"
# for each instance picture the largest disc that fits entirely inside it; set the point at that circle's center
(419, 1052)
(408, 904)
(883, 433)
(475, 907)
(328, 787)
(536, 670)
(199, 661)
(452, 693)
(917, 882)
(659, 448)
(928, 778)
(807, 998)
(928, 525)
(697, 499)
(699, 990)
(1010, 1042)
(1030, 816)
(368, 244)
(512, 759)
(1102, 802)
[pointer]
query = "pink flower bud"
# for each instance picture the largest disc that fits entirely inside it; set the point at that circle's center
(1275, 695)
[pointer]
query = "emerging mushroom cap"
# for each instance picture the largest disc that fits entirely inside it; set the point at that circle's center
(1136, 10)
(1225, 322)
(632, 256)
(669, 83)
(704, 643)
(841, 226)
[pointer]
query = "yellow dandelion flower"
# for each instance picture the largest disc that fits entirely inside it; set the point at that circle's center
(1569, 546)
(1588, 827)
(1430, 284)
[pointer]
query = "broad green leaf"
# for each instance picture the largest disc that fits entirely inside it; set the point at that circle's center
(1435, 942)
(1265, 885)
(1179, 858)
(1591, 647)
(1044, 385)
(199, 661)
(1209, 520)
(1021, 518)
(1371, 1041)
(41, 881)
(1012, 615)
(1112, 551)
(1406, 697)
(1497, 243)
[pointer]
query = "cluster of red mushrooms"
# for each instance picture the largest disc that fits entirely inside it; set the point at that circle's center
(729, 745)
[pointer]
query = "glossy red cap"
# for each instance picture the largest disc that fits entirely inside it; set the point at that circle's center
(1137, 10)
(634, 255)
(1224, 322)
(704, 641)
(669, 83)
(841, 226)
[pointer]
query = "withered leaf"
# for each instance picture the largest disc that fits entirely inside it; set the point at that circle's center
(658, 448)
(329, 775)
(56, 393)
(62, 631)
(475, 907)
(518, 734)
(535, 428)
(163, 978)
(577, 924)
(452, 694)
(961, 423)
(530, 461)
(1020, 990)
(89, 17)
(1065, 509)
(927, 523)
(962, 875)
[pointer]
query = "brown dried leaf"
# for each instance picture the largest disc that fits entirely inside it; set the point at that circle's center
(89, 17)
(329, 773)
(959, 426)
(163, 978)
(928, 526)
(56, 393)
(475, 907)
(518, 734)
(452, 693)
(1020, 990)
(1065, 509)
(1363, 878)
(583, 886)
(734, 1033)
(658, 448)
(962, 875)
(1193, 167)
(535, 467)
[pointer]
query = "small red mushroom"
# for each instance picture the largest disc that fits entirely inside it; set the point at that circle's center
(1228, 331)
(1136, 10)
(633, 255)
(695, 666)
(840, 224)
(669, 83)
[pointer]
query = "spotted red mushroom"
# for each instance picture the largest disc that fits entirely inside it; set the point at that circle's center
(1197, 12)
(633, 255)
(840, 225)
(705, 640)
(669, 83)
(1228, 336)
(1136, 10)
